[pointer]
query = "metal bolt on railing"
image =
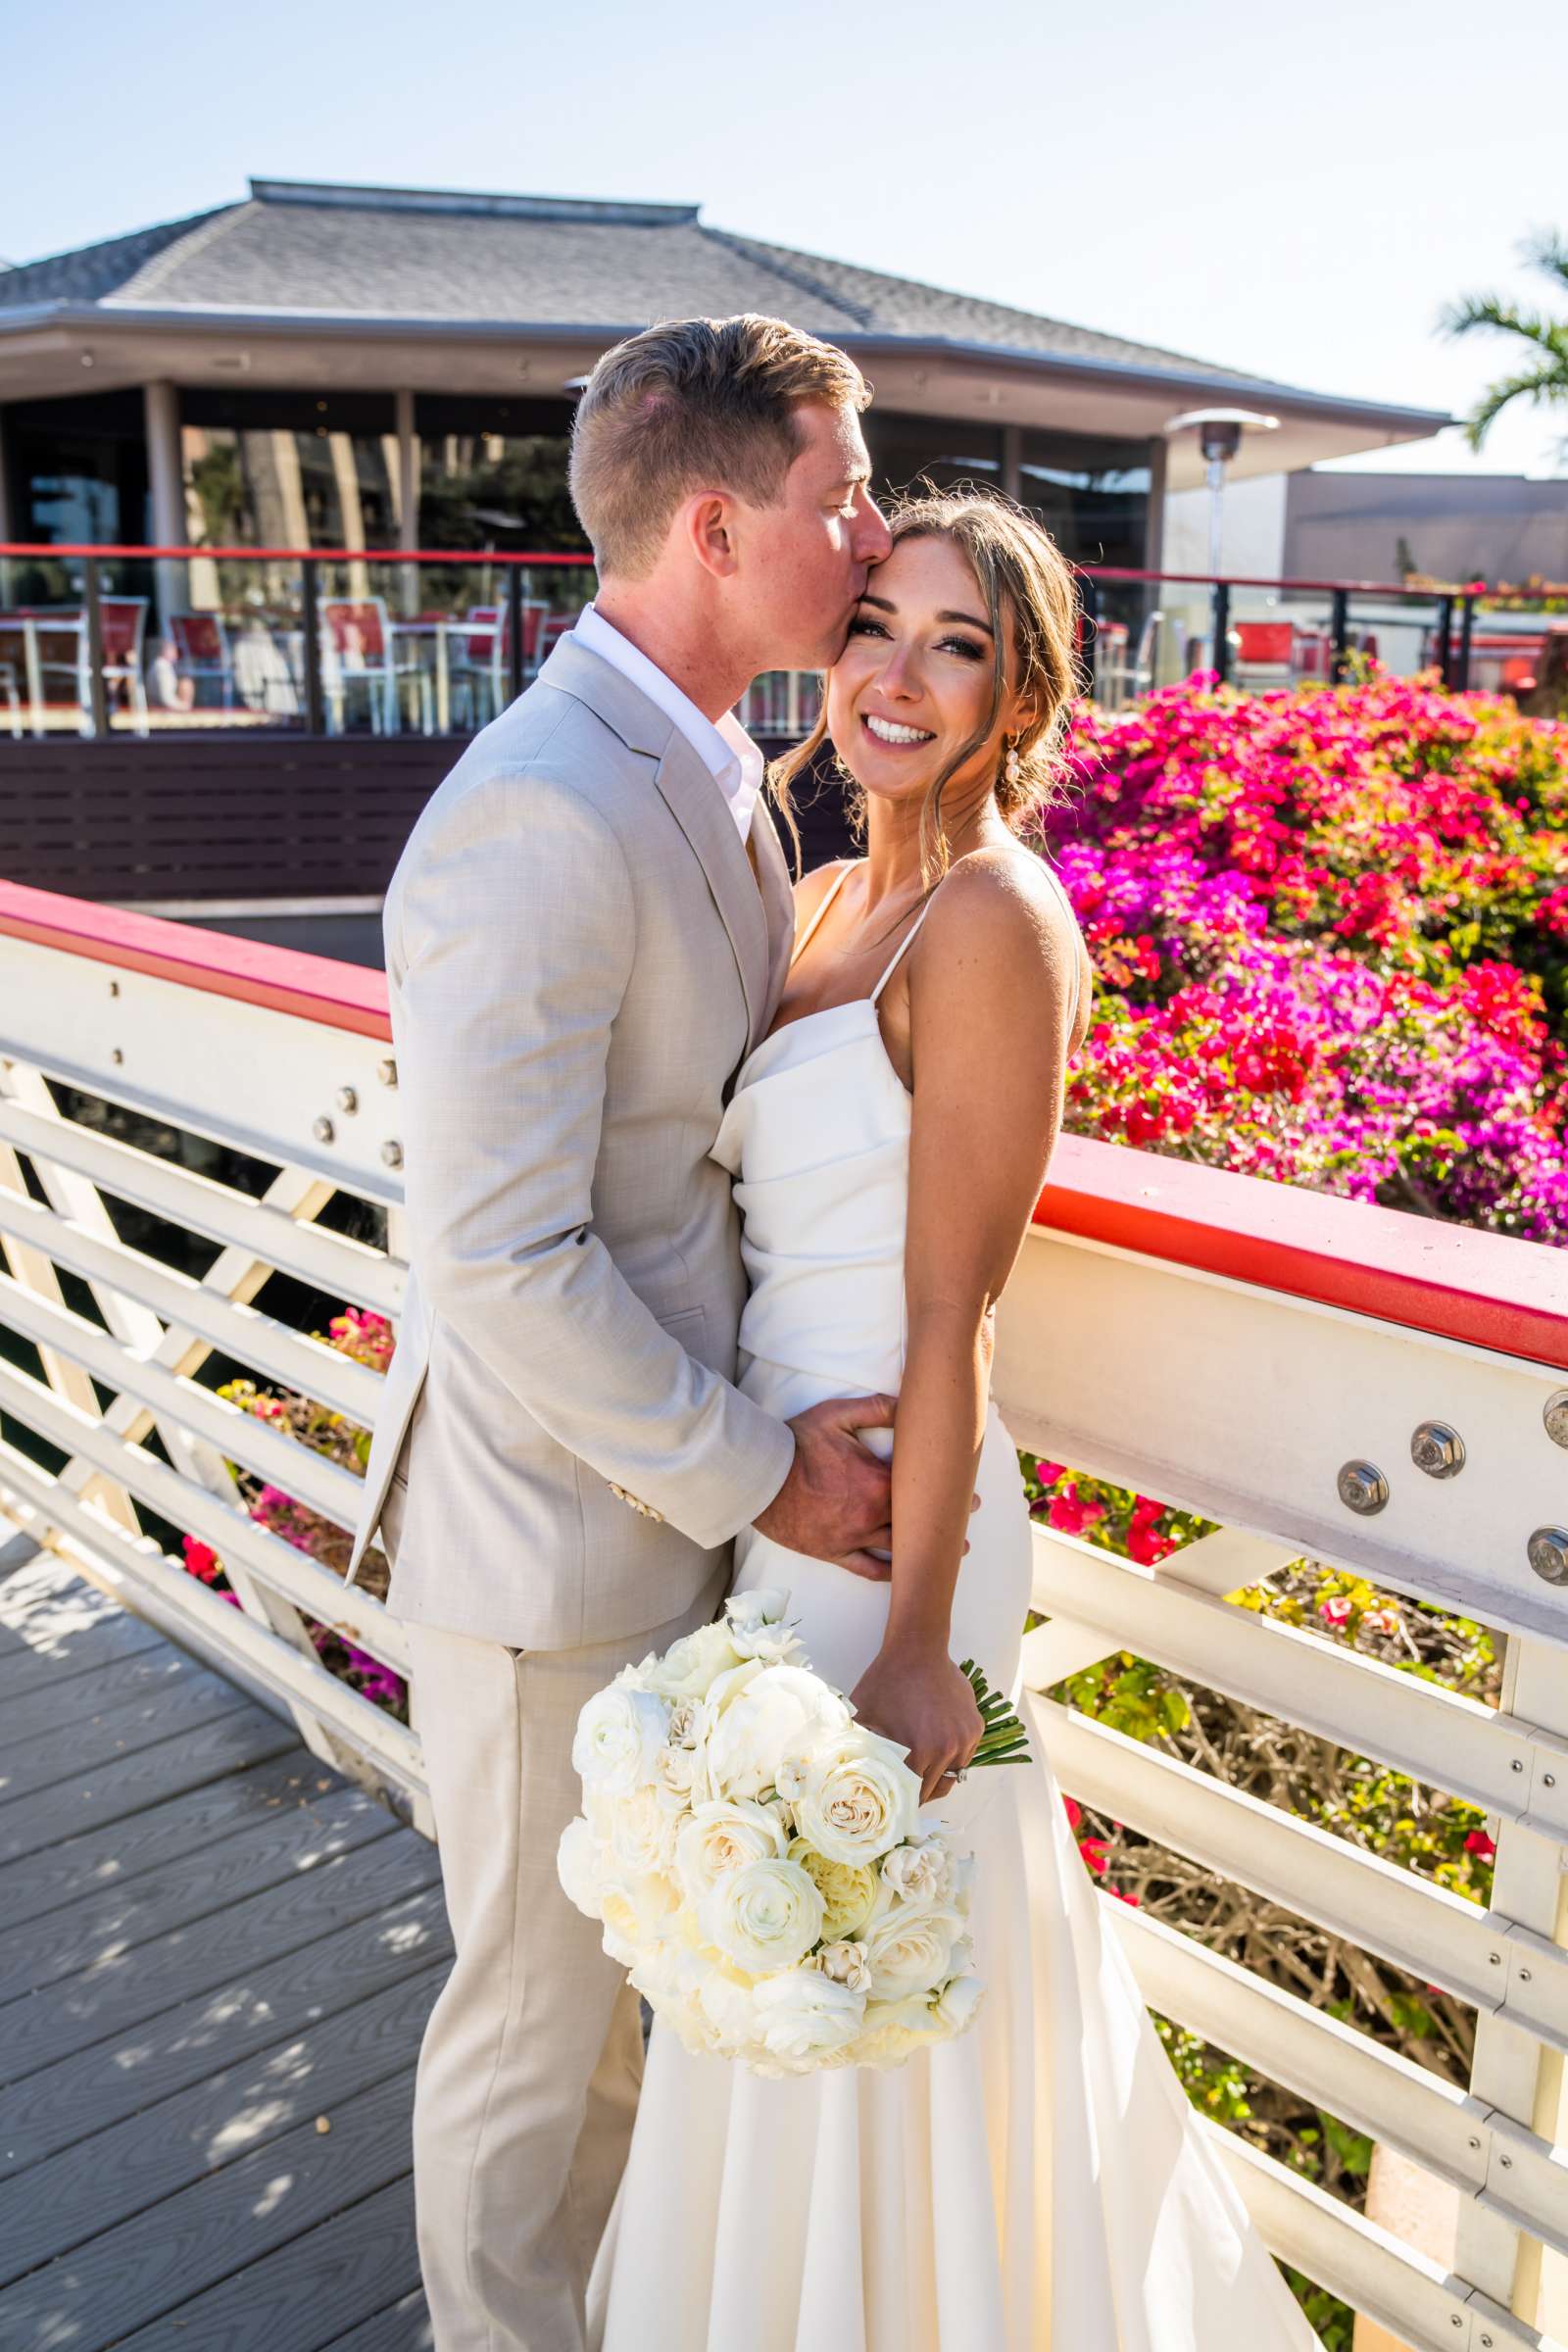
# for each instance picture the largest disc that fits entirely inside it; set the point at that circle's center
(1548, 1554)
(1362, 1488)
(1438, 1449)
(1555, 1414)
(323, 1129)
(392, 1154)
(387, 1072)
(347, 1099)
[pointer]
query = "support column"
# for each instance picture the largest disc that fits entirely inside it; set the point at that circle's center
(7, 595)
(1012, 459)
(408, 501)
(166, 480)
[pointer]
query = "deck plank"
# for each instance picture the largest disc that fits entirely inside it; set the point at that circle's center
(125, 1989)
(49, 1665)
(250, 2011)
(299, 2298)
(262, 1853)
(117, 2173)
(189, 1696)
(109, 1793)
(27, 1715)
(404, 2326)
(157, 2262)
(56, 1874)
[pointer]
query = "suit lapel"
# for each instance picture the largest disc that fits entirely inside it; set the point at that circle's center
(698, 807)
(778, 902)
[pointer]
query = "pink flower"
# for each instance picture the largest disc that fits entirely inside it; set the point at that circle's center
(1336, 1612)
(1071, 1514)
(1484, 1848)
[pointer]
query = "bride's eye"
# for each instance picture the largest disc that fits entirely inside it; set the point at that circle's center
(861, 626)
(964, 646)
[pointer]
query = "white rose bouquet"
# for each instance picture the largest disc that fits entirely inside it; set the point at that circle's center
(756, 1857)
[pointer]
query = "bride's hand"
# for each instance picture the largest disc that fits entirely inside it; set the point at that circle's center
(913, 1692)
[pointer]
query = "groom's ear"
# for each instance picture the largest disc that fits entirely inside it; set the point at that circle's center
(709, 521)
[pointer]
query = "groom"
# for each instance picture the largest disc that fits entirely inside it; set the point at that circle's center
(587, 932)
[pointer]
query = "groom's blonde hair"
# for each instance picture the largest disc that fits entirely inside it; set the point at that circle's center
(695, 403)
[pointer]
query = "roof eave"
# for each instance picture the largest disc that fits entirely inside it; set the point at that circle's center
(99, 317)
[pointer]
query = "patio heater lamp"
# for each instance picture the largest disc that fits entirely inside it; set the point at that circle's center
(1219, 436)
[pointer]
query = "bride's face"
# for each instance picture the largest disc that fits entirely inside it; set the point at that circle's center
(913, 685)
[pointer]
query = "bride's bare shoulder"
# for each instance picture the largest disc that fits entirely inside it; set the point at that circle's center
(812, 888)
(1000, 902)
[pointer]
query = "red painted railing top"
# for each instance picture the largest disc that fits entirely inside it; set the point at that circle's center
(1482, 1289)
(462, 554)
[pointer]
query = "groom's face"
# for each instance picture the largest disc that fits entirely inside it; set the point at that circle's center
(807, 558)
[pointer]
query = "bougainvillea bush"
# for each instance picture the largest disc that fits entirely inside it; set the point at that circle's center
(1329, 929)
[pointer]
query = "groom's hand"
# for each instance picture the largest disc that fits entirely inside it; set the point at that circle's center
(837, 1502)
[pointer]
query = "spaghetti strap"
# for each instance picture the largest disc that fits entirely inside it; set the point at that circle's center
(823, 903)
(902, 949)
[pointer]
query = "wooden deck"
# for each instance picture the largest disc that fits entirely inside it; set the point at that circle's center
(216, 1963)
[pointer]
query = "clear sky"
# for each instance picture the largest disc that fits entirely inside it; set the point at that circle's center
(1293, 189)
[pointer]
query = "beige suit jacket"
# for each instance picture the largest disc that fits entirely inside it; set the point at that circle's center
(579, 957)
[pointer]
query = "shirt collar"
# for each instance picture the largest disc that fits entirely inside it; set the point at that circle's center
(725, 750)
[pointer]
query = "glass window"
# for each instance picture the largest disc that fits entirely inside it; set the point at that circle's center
(946, 451)
(289, 468)
(78, 472)
(493, 475)
(1092, 495)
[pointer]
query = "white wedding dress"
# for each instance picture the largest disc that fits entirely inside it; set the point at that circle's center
(1041, 2184)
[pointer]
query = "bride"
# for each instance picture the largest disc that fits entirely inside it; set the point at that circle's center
(1040, 2182)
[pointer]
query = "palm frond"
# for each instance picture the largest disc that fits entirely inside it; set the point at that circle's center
(1548, 383)
(1502, 317)
(1546, 250)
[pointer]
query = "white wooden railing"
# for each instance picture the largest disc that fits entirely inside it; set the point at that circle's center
(1230, 1347)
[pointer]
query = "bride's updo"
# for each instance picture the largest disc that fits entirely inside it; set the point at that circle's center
(1029, 592)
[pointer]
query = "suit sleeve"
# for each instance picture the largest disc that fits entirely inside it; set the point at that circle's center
(515, 939)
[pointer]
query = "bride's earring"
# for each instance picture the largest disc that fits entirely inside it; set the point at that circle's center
(1012, 767)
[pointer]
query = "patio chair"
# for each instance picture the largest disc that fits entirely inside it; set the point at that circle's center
(1120, 679)
(359, 649)
(1263, 653)
(205, 653)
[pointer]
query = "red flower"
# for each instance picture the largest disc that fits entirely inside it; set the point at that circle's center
(1484, 1848)
(1071, 1514)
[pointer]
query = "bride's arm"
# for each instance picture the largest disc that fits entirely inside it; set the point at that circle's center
(990, 981)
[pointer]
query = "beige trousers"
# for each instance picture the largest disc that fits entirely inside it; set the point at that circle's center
(532, 2060)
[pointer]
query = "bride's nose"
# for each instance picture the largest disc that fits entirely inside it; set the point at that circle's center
(897, 675)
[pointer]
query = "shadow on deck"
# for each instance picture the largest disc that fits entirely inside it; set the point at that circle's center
(210, 1947)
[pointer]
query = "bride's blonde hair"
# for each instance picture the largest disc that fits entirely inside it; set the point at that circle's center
(1028, 586)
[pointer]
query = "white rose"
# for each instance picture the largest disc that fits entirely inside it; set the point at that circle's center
(845, 1964)
(918, 1873)
(728, 2013)
(577, 1866)
(619, 1731)
(802, 2012)
(717, 1838)
(910, 1952)
(676, 1771)
(963, 1875)
(895, 2031)
(763, 1916)
(783, 1711)
(685, 1723)
(961, 2002)
(848, 1889)
(756, 1629)
(642, 1834)
(858, 1807)
(690, 1665)
(636, 1912)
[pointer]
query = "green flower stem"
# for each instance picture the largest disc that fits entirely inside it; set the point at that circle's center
(1003, 1739)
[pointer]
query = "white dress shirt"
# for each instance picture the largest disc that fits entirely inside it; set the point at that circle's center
(726, 751)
